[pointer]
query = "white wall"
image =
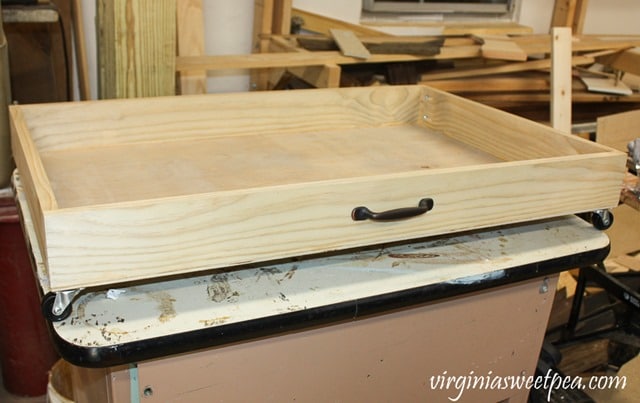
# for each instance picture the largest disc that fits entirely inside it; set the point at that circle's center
(228, 31)
(603, 16)
(228, 26)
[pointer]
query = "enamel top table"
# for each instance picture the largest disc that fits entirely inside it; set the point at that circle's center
(374, 324)
(339, 224)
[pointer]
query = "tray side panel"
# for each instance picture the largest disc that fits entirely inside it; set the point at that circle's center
(36, 185)
(114, 122)
(131, 241)
(499, 133)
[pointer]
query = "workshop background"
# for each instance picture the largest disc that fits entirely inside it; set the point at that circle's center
(228, 29)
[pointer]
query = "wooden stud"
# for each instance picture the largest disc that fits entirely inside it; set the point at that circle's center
(570, 14)
(579, 16)
(281, 21)
(561, 65)
(503, 48)
(190, 26)
(136, 48)
(262, 22)
(563, 13)
(271, 17)
(84, 87)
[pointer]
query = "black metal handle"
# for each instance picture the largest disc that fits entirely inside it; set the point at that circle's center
(362, 213)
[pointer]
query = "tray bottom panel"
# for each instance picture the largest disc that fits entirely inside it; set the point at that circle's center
(120, 173)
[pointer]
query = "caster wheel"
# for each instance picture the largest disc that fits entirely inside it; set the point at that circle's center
(47, 309)
(602, 219)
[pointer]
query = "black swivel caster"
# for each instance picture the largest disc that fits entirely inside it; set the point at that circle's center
(47, 305)
(602, 219)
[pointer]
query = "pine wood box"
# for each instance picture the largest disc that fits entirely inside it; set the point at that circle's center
(132, 189)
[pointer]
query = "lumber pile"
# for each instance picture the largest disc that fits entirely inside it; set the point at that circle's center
(603, 72)
(503, 65)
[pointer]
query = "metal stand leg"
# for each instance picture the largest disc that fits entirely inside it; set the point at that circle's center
(574, 316)
(609, 283)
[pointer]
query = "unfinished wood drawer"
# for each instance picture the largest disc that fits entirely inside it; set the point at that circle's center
(142, 188)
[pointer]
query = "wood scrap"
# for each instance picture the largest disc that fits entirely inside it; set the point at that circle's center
(627, 60)
(580, 357)
(501, 54)
(321, 24)
(349, 43)
(501, 47)
(505, 68)
(452, 28)
(606, 85)
(426, 47)
(617, 130)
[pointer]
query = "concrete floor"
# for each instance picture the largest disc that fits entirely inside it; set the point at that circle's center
(630, 393)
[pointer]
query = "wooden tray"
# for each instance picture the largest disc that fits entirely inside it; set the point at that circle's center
(142, 188)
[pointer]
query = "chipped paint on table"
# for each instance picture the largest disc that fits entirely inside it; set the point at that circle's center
(150, 310)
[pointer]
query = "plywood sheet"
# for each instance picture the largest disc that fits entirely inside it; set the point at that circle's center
(115, 174)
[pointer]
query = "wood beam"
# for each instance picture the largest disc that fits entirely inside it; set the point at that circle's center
(506, 68)
(291, 59)
(136, 48)
(570, 14)
(561, 65)
(80, 47)
(190, 26)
